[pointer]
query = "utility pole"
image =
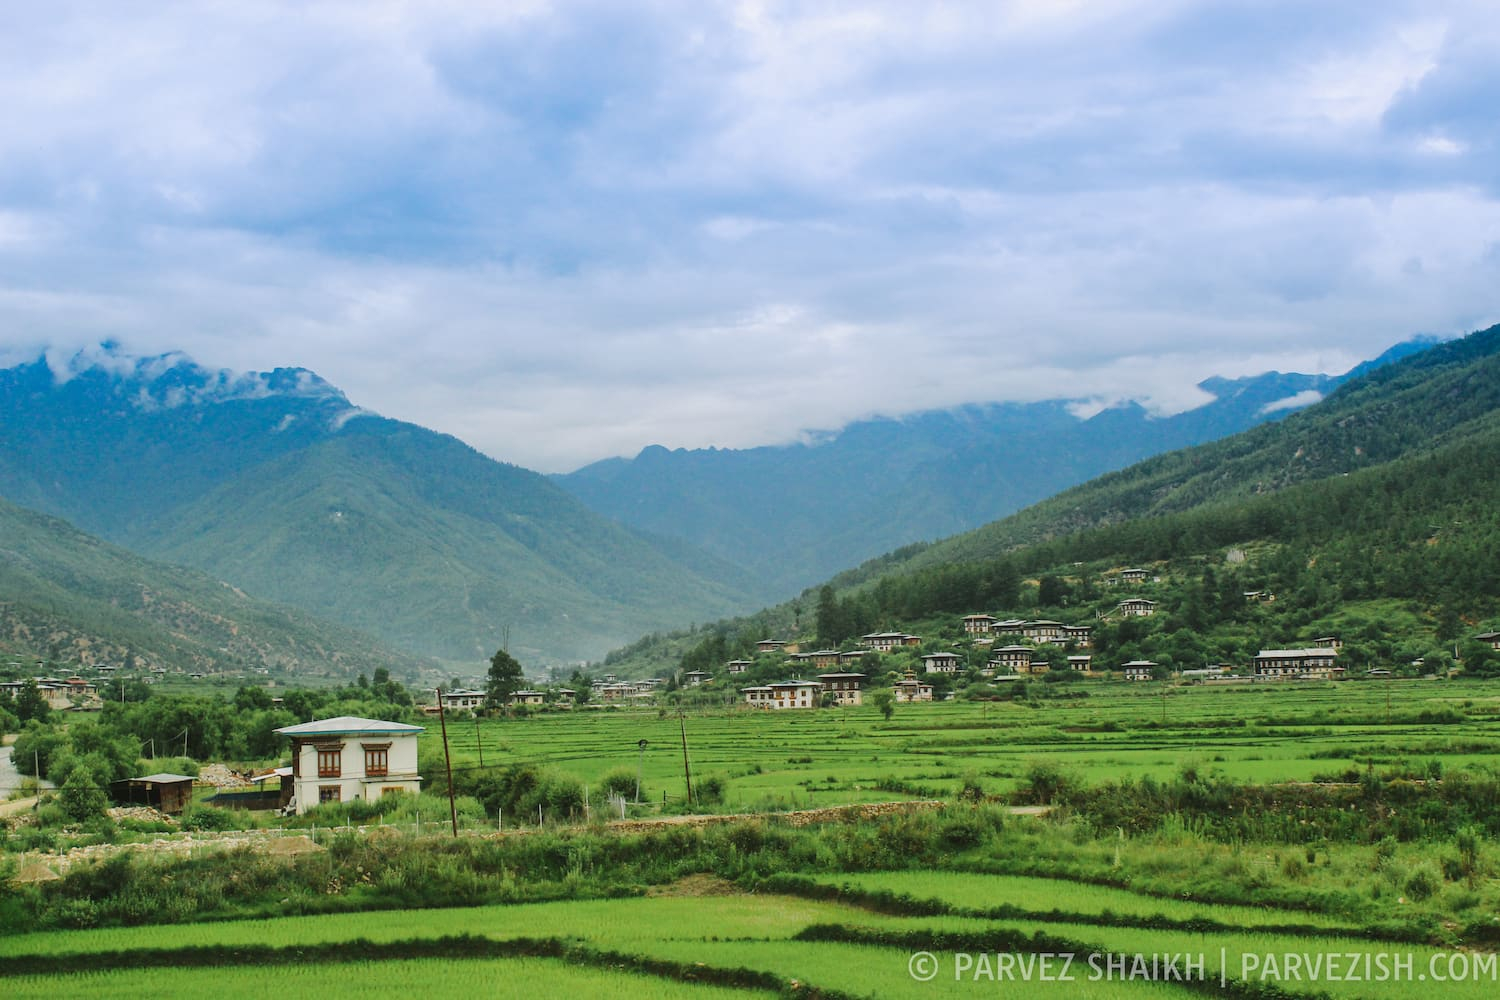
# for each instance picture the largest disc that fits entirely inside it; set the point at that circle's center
(640, 765)
(477, 738)
(687, 773)
(447, 762)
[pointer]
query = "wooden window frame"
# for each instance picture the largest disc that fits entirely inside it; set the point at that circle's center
(330, 760)
(377, 759)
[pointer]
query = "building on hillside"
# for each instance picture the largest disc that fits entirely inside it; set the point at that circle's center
(770, 645)
(348, 758)
(884, 642)
(1043, 631)
(844, 687)
(1259, 597)
(822, 659)
(168, 793)
(849, 656)
(737, 666)
(1136, 607)
(1011, 659)
(1037, 667)
(466, 699)
(783, 694)
(1134, 575)
(1138, 670)
(1080, 663)
(1010, 626)
(1314, 663)
(1081, 636)
(1328, 642)
(693, 678)
(978, 624)
(1492, 639)
(941, 663)
(911, 689)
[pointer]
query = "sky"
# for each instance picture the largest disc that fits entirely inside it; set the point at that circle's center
(565, 231)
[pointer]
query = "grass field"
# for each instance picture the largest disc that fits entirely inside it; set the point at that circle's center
(791, 759)
(1012, 886)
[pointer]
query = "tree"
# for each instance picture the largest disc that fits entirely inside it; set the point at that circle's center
(82, 795)
(885, 702)
(30, 704)
(505, 679)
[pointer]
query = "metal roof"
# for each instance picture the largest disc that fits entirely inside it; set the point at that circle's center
(348, 724)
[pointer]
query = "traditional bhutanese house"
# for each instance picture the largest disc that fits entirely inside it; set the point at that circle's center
(1133, 575)
(1491, 638)
(1010, 626)
(758, 696)
(693, 678)
(528, 697)
(845, 688)
(822, 659)
(1043, 631)
(1080, 663)
(169, 793)
(911, 689)
(1328, 642)
(616, 691)
(1138, 670)
(466, 699)
(940, 663)
(783, 694)
(770, 645)
(883, 642)
(347, 758)
(851, 656)
(1309, 664)
(1037, 667)
(737, 666)
(1080, 635)
(1011, 659)
(1137, 607)
(978, 624)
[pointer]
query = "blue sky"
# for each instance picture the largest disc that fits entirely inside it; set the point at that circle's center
(564, 231)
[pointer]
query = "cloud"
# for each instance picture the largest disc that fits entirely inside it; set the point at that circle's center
(1306, 397)
(565, 231)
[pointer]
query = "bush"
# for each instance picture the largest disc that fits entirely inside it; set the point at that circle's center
(620, 783)
(1423, 881)
(208, 818)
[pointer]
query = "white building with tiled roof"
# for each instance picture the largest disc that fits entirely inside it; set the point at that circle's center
(338, 760)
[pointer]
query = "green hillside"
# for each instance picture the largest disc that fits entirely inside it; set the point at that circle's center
(1386, 497)
(417, 538)
(278, 484)
(70, 597)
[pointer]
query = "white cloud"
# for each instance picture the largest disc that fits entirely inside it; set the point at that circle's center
(1306, 397)
(567, 231)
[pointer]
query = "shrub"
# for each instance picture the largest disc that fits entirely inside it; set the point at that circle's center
(1423, 881)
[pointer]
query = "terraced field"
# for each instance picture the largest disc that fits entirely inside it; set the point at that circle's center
(1266, 733)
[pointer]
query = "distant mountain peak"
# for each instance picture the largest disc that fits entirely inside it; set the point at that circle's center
(171, 380)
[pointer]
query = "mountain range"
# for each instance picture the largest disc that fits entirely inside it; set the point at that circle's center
(414, 545)
(796, 514)
(278, 484)
(1380, 503)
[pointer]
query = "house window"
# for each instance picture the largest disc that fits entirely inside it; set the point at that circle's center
(377, 760)
(330, 762)
(330, 793)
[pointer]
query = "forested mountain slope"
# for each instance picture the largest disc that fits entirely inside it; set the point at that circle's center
(796, 514)
(276, 483)
(71, 597)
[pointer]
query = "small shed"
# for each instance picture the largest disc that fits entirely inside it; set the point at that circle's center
(170, 793)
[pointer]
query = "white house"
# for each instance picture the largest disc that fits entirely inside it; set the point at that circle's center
(941, 663)
(783, 694)
(337, 760)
